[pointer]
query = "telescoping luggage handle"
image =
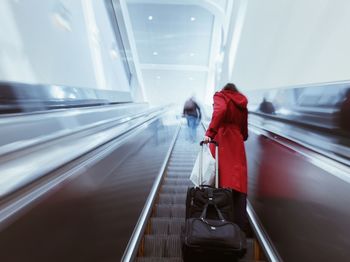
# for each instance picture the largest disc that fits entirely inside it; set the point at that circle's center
(216, 162)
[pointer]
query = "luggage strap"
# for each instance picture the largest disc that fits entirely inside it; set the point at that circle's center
(211, 202)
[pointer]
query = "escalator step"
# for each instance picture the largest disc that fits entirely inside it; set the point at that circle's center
(173, 246)
(166, 199)
(176, 225)
(180, 199)
(163, 210)
(184, 150)
(167, 246)
(159, 226)
(172, 198)
(177, 181)
(180, 170)
(173, 189)
(158, 259)
(180, 164)
(178, 211)
(179, 175)
(180, 167)
(184, 161)
(250, 250)
(184, 173)
(163, 226)
(162, 246)
(188, 158)
(250, 260)
(154, 246)
(183, 154)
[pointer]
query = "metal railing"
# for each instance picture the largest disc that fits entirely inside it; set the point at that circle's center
(132, 247)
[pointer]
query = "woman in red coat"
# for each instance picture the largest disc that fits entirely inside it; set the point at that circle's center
(229, 128)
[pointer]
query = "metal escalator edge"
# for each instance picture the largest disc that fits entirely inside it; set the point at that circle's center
(131, 249)
(264, 240)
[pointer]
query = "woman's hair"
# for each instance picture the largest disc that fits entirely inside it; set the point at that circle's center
(230, 86)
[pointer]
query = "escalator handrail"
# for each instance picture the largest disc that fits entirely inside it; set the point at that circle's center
(37, 121)
(132, 247)
(30, 163)
(332, 164)
(21, 200)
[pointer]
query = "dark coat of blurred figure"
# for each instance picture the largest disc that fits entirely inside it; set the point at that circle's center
(267, 107)
(192, 112)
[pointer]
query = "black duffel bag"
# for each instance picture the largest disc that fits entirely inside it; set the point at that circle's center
(207, 239)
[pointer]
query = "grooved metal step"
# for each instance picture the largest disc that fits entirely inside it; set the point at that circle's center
(177, 181)
(159, 259)
(164, 226)
(172, 198)
(177, 174)
(174, 189)
(162, 246)
(164, 210)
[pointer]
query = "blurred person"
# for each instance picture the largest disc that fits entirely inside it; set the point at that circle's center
(344, 113)
(193, 115)
(266, 107)
(229, 127)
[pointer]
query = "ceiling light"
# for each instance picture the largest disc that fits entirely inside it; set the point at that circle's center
(191, 54)
(113, 53)
(150, 18)
(193, 18)
(62, 21)
(155, 53)
(191, 78)
(158, 77)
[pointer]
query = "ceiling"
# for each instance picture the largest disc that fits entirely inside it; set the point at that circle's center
(176, 43)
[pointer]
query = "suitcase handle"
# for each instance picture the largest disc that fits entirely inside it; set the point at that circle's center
(208, 186)
(204, 213)
(216, 162)
(210, 142)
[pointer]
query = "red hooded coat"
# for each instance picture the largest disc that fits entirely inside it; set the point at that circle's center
(229, 127)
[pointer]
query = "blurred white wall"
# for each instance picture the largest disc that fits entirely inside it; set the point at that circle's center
(287, 42)
(60, 42)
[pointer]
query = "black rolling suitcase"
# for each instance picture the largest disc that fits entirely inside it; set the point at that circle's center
(209, 232)
(197, 197)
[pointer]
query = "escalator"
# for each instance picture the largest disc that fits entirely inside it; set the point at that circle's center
(161, 240)
(59, 201)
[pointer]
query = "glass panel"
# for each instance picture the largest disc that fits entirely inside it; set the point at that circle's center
(69, 43)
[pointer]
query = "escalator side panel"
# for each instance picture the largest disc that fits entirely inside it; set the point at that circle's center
(303, 209)
(92, 217)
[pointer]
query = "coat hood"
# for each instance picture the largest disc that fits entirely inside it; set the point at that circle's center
(239, 99)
